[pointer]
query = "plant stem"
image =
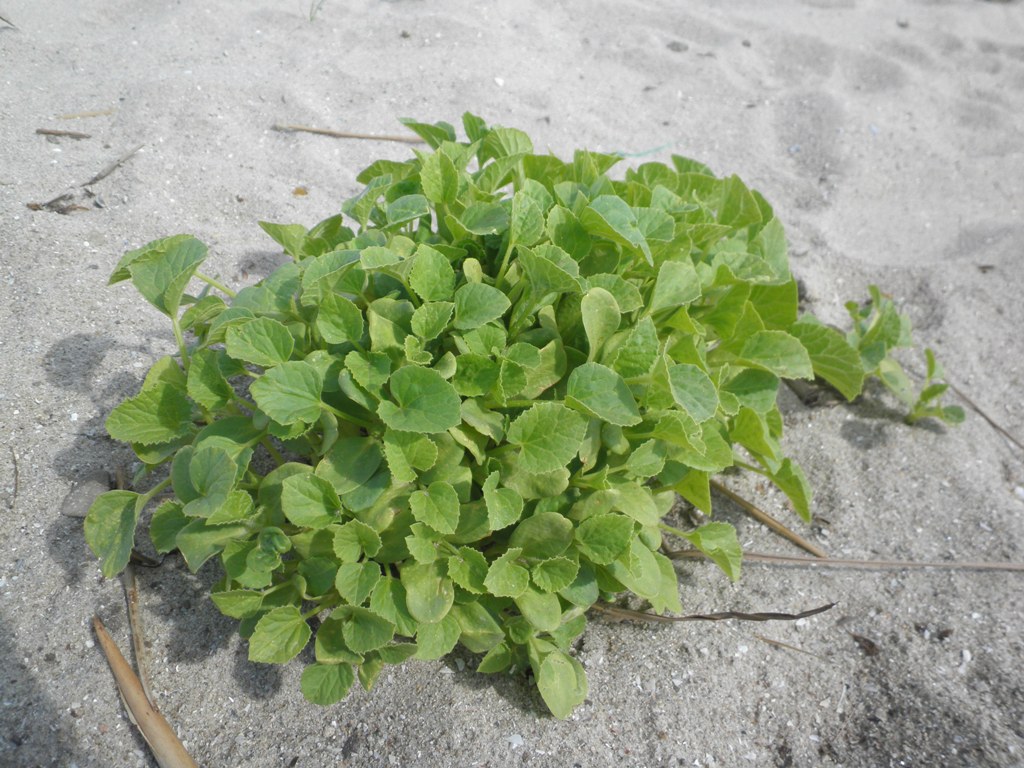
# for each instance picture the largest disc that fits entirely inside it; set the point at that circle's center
(674, 531)
(179, 337)
(274, 453)
(347, 416)
(216, 284)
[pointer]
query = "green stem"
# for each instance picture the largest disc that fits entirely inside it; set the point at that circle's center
(274, 453)
(327, 604)
(216, 284)
(348, 417)
(504, 262)
(147, 497)
(674, 531)
(180, 338)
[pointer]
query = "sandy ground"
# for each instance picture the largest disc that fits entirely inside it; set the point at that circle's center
(888, 135)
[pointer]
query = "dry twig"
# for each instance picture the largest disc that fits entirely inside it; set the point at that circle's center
(873, 565)
(628, 614)
(65, 134)
(766, 519)
(286, 128)
(163, 742)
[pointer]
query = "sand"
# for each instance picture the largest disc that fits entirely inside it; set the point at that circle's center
(888, 136)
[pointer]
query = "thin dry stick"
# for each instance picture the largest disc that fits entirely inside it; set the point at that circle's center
(286, 128)
(131, 597)
(59, 132)
(93, 113)
(9, 22)
(768, 520)
(14, 461)
(163, 742)
(626, 613)
(112, 167)
(874, 565)
(974, 406)
(787, 646)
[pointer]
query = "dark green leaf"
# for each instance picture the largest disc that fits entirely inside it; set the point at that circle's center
(424, 402)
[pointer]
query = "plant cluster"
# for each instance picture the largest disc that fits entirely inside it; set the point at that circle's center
(463, 416)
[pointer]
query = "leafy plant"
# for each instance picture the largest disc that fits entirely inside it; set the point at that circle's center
(878, 328)
(465, 419)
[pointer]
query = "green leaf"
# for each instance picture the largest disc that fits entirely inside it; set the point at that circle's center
(432, 276)
(505, 577)
(647, 460)
(429, 592)
(430, 319)
(351, 462)
(437, 507)
(365, 631)
(600, 314)
(279, 636)
(288, 236)
(354, 539)
(477, 304)
(199, 541)
(158, 414)
(440, 179)
(406, 209)
(542, 609)
(424, 402)
(309, 501)
(289, 393)
(480, 632)
(435, 640)
(693, 391)
(676, 286)
(600, 392)
(527, 223)
(555, 574)
(326, 684)
(206, 382)
(627, 296)
(504, 505)
(610, 217)
(485, 219)
(543, 535)
(718, 541)
(468, 569)
(779, 353)
(754, 389)
(167, 520)
(378, 257)
(263, 342)
(162, 269)
(408, 452)
(339, 320)
(603, 538)
(548, 436)
(238, 603)
(562, 683)
(389, 600)
(832, 357)
(110, 529)
(791, 480)
(636, 355)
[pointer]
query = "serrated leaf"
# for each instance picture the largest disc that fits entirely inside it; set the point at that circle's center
(350, 463)
(167, 520)
(110, 529)
(354, 539)
(158, 414)
(430, 319)
(429, 593)
(468, 569)
(543, 535)
(161, 270)
(339, 320)
(603, 538)
(832, 357)
(263, 341)
(504, 505)
(309, 501)
(477, 304)
(778, 352)
(505, 577)
(279, 636)
(435, 640)
(600, 315)
(693, 391)
(437, 507)
(484, 219)
(206, 382)
(365, 631)
(718, 541)
(238, 603)
(326, 684)
(289, 393)
(424, 402)
(554, 574)
(610, 217)
(600, 392)
(677, 285)
(562, 684)
(548, 435)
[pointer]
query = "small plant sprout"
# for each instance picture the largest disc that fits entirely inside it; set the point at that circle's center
(461, 413)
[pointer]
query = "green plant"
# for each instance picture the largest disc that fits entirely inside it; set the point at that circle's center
(465, 420)
(878, 328)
